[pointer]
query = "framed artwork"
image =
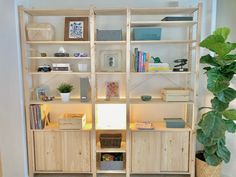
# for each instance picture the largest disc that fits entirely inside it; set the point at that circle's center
(76, 29)
(112, 90)
(41, 92)
(110, 60)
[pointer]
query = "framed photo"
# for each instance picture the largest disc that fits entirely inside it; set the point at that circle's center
(110, 60)
(41, 92)
(76, 29)
(112, 90)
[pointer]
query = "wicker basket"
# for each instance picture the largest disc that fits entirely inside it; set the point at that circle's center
(110, 140)
(205, 170)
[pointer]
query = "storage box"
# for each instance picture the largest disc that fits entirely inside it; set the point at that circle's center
(111, 165)
(110, 140)
(72, 121)
(175, 94)
(142, 33)
(174, 123)
(40, 32)
(109, 35)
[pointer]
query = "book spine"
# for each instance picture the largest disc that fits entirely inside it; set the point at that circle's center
(139, 61)
(147, 62)
(136, 59)
(144, 61)
(31, 117)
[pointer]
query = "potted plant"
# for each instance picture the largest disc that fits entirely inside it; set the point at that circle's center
(65, 90)
(213, 125)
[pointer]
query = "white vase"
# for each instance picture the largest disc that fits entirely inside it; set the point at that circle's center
(65, 97)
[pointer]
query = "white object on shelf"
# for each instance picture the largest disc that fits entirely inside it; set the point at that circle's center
(61, 67)
(65, 97)
(72, 121)
(40, 32)
(83, 67)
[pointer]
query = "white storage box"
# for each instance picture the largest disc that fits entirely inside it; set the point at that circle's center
(40, 32)
(72, 121)
(175, 94)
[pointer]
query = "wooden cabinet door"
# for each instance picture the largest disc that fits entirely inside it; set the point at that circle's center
(145, 149)
(48, 155)
(76, 150)
(174, 151)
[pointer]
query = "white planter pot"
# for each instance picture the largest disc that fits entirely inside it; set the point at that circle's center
(65, 97)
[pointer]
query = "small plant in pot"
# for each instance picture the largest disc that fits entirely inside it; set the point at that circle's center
(213, 125)
(65, 90)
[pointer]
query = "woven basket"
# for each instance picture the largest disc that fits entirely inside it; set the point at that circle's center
(205, 170)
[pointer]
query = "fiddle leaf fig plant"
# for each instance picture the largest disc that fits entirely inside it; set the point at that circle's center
(220, 70)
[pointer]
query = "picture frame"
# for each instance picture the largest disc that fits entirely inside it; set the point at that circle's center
(76, 29)
(112, 90)
(110, 60)
(40, 92)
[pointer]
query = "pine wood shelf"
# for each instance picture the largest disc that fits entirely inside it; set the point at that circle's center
(59, 73)
(60, 58)
(122, 149)
(58, 101)
(59, 42)
(161, 23)
(157, 101)
(164, 42)
(111, 171)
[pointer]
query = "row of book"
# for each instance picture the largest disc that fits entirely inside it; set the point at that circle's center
(37, 116)
(141, 61)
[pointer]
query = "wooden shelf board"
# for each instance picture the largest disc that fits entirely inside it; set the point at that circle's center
(61, 172)
(114, 11)
(162, 172)
(110, 42)
(157, 101)
(55, 127)
(112, 101)
(58, 42)
(121, 149)
(109, 73)
(160, 126)
(58, 101)
(57, 12)
(161, 23)
(159, 72)
(111, 171)
(59, 72)
(164, 10)
(163, 42)
(60, 58)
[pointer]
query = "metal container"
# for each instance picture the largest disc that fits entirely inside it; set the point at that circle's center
(143, 33)
(109, 35)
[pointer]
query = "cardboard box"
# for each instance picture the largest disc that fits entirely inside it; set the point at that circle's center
(146, 33)
(72, 121)
(175, 94)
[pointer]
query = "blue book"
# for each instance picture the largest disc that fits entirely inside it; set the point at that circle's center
(136, 54)
(144, 61)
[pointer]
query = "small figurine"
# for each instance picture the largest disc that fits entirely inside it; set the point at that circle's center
(47, 98)
(157, 60)
(43, 54)
(179, 67)
(80, 54)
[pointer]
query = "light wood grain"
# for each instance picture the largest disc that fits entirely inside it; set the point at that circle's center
(48, 152)
(76, 151)
(161, 23)
(174, 151)
(145, 152)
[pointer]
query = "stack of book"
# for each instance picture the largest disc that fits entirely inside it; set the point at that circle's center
(141, 61)
(37, 116)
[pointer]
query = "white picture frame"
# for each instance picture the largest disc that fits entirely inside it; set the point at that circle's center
(110, 60)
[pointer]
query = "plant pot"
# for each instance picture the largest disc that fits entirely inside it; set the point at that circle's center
(65, 97)
(205, 170)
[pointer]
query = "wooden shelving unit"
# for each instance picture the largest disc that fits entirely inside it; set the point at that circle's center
(149, 152)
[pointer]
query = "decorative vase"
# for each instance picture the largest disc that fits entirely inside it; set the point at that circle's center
(205, 170)
(65, 97)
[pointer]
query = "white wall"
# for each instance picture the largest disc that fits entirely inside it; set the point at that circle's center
(12, 129)
(225, 17)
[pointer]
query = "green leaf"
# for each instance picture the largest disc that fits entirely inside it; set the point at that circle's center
(203, 139)
(228, 59)
(224, 32)
(208, 59)
(223, 152)
(230, 68)
(226, 95)
(212, 159)
(230, 114)
(216, 82)
(216, 43)
(219, 105)
(213, 125)
(211, 149)
(230, 126)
